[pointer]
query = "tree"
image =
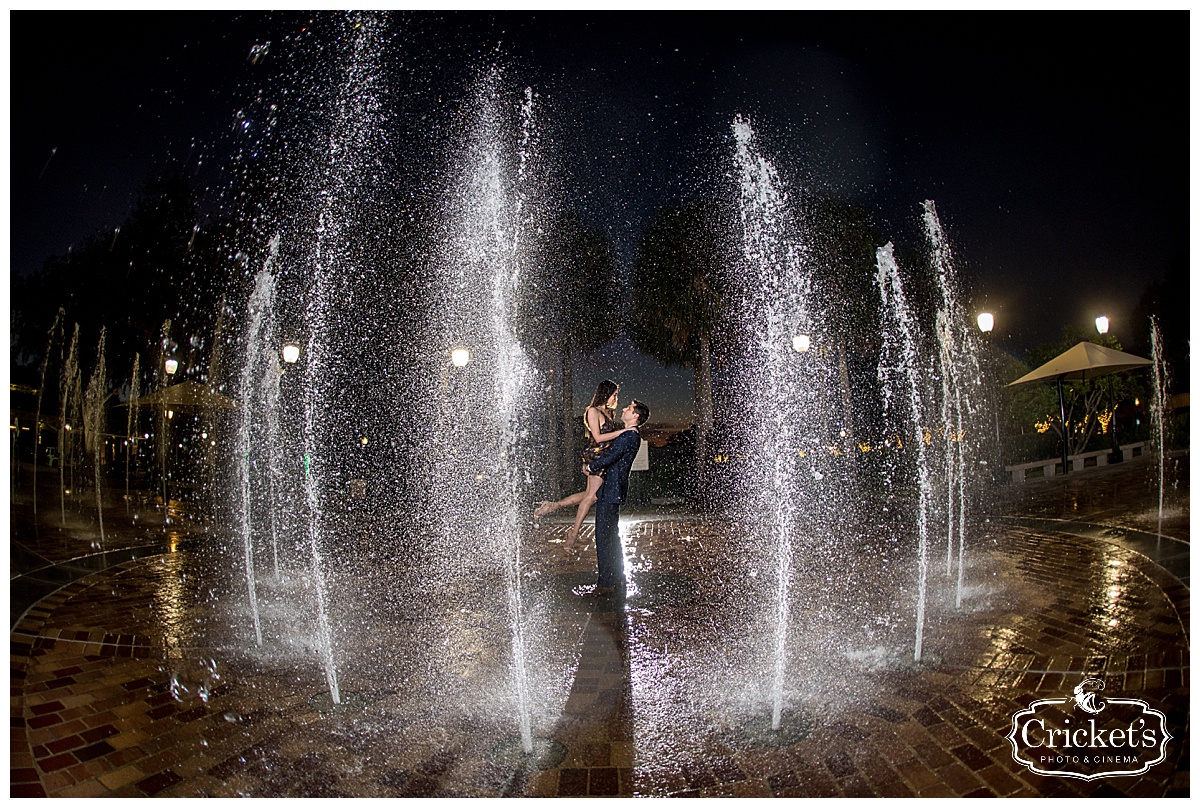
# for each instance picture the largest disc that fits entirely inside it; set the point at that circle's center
(572, 308)
(844, 241)
(678, 299)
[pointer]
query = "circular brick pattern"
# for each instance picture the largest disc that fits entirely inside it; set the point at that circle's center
(94, 712)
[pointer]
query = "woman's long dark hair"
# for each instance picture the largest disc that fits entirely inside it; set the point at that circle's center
(603, 393)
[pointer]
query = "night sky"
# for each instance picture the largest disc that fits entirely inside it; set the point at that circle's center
(1055, 144)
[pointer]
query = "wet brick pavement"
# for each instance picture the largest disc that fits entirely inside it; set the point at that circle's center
(106, 700)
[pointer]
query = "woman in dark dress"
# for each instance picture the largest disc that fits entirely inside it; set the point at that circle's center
(601, 427)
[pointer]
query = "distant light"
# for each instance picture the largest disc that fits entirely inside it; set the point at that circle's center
(460, 357)
(1102, 324)
(800, 343)
(291, 352)
(171, 365)
(170, 414)
(364, 441)
(146, 436)
(986, 321)
(67, 427)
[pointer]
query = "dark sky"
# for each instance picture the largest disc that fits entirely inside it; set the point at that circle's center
(1055, 144)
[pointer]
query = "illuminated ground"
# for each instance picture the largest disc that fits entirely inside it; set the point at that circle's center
(127, 680)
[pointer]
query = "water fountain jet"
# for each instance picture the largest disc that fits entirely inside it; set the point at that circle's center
(68, 394)
(899, 375)
(1158, 410)
(56, 329)
(781, 489)
(94, 417)
(131, 419)
(956, 367)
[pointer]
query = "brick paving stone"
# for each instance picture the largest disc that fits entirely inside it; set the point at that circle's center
(999, 780)
(572, 782)
(92, 714)
(919, 776)
(603, 781)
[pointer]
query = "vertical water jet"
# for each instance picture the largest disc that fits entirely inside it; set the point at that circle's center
(492, 211)
(55, 329)
(957, 366)
(94, 428)
(899, 375)
(1158, 411)
(779, 488)
(131, 419)
(68, 383)
(251, 445)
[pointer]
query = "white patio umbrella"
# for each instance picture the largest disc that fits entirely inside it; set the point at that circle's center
(1085, 361)
(187, 397)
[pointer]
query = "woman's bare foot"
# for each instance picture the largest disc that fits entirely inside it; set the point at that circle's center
(543, 508)
(572, 535)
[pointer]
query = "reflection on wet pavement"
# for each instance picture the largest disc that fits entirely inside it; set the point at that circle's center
(136, 675)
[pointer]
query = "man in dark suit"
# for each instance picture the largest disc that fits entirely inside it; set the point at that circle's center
(615, 462)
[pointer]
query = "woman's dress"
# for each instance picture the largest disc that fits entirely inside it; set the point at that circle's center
(594, 448)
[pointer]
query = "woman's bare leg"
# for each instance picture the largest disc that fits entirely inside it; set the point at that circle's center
(587, 497)
(545, 507)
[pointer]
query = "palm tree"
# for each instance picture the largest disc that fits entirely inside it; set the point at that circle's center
(678, 301)
(572, 308)
(844, 242)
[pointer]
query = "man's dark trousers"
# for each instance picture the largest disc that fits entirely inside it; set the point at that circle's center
(610, 561)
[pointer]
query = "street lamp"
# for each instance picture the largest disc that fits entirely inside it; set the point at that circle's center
(171, 365)
(291, 352)
(459, 357)
(1115, 455)
(801, 343)
(986, 323)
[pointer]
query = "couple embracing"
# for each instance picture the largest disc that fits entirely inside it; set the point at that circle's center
(611, 449)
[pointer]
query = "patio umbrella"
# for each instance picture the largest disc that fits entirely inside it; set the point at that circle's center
(1085, 361)
(187, 397)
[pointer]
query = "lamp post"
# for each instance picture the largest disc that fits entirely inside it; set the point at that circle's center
(171, 366)
(986, 322)
(1115, 455)
(459, 358)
